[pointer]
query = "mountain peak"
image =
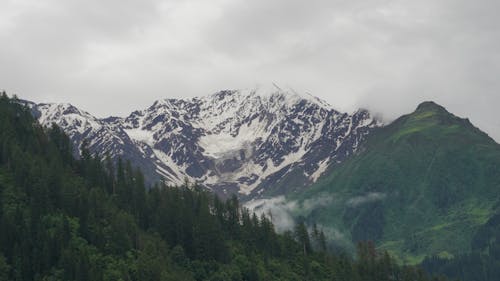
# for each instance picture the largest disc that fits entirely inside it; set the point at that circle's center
(271, 91)
(430, 106)
(267, 93)
(272, 88)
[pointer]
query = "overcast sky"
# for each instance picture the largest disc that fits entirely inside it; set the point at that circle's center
(110, 57)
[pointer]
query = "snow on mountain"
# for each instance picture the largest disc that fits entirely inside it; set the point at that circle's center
(251, 142)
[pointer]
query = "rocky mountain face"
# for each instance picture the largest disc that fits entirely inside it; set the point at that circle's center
(249, 142)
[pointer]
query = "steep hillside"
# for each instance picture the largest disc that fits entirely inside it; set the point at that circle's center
(422, 185)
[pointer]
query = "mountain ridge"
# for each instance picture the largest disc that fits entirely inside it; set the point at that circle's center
(248, 142)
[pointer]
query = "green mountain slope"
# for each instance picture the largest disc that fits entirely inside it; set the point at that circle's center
(422, 185)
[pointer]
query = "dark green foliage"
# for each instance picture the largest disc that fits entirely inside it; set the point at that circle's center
(369, 221)
(303, 237)
(472, 266)
(481, 264)
(68, 219)
(4, 269)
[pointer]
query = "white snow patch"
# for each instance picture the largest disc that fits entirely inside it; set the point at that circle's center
(141, 135)
(323, 165)
(76, 121)
(223, 143)
(177, 170)
(271, 169)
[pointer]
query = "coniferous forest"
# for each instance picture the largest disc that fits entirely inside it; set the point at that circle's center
(63, 218)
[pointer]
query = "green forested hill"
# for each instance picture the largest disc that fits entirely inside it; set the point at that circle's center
(87, 219)
(423, 185)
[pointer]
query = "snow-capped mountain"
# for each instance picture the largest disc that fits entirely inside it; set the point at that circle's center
(262, 140)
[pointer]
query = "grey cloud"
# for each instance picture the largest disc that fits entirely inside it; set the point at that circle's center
(282, 211)
(111, 57)
(320, 201)
(366, 198)
(277, 209)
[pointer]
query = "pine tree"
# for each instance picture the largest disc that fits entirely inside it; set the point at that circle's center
(303, 237)
(4, 267)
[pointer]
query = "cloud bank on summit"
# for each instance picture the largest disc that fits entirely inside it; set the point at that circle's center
(115, 56)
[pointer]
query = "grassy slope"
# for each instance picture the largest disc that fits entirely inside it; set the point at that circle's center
(420, 186)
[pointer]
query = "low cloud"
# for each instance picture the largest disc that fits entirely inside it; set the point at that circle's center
(282, 212)
(319, 201)
(367, 198)
(277, 209)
